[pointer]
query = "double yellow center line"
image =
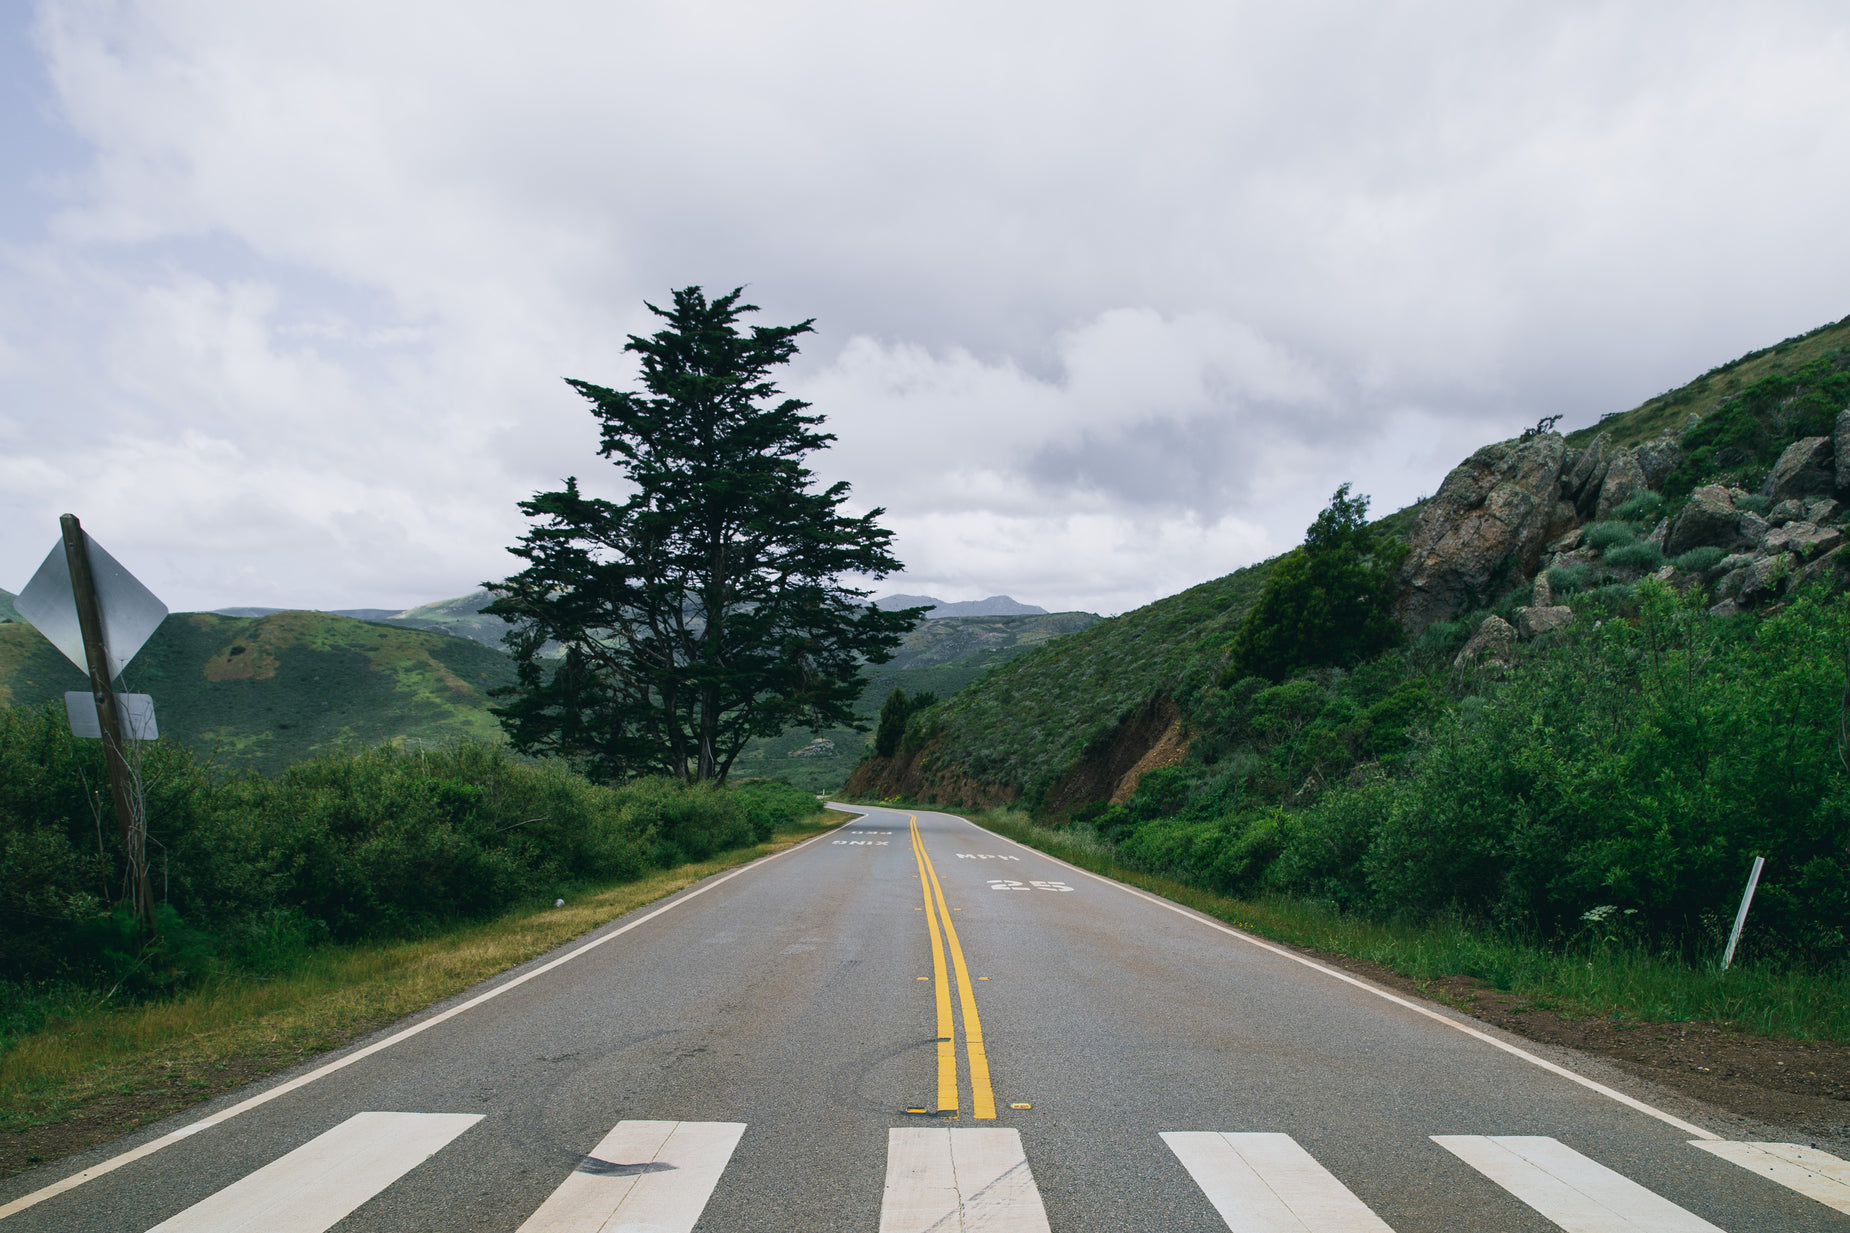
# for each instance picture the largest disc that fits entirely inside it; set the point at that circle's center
(944, 937)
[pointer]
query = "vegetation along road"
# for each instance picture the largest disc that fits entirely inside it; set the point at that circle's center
(910, 1023)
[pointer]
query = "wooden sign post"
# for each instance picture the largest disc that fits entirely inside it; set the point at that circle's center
(123, 790)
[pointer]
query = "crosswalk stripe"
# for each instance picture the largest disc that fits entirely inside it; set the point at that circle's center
(656, 1176)
(314, 1187)
(1580, 1195)
(959, 1180)
(1268, 1183)
(1814, 1174)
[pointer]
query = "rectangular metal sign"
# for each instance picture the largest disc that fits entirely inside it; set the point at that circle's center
(137, 711)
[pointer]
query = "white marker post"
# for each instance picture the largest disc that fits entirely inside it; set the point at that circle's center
(1740, 918)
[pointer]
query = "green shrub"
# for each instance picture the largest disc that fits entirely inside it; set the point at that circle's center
(1641, 508)
(1753, 503)
(1700, 560)
(1567, 579)
(1601, 536)
(1640, 555)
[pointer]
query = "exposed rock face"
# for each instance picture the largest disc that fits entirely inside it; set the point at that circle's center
(1491, 644)
(1808, 468)
(1488, 521)
(1543, 593)
(1765, 577)
(1709, 518)
(1533, 622)
(1657, 459)
(1581, 483)
(1822, 510)
(1789, 510)
(1624, 480)
(1840, 449)
(1805, 538)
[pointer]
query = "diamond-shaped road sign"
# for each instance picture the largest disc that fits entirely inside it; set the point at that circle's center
(131, 613)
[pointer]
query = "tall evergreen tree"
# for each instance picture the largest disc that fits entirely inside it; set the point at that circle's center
(708, 607)
(1327, 603)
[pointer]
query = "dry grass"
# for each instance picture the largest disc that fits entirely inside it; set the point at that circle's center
(107, 1071)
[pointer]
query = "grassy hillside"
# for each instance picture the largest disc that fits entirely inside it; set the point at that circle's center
(1668, 412)
(7, 611)
(460, 617)
(940, 656)
(265, 692)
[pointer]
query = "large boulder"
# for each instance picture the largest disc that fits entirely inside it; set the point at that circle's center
(1484, 527)
(1805, 538)
(1580, 482)
(1534, 622)
(1624, 480)
(1708, 518)
(1657, 459)
(1491, 644)
(1840, 449)
(1808, 468)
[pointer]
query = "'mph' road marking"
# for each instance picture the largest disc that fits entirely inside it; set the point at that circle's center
(1814, 1174)
(1580, 1195)
(315, 1187)
(1267, 1183)
(642, 1175)
(959, 1181)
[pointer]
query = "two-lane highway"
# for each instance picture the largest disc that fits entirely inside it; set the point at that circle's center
(909, 1024)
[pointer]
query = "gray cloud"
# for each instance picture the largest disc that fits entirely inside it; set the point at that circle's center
(1108, 301)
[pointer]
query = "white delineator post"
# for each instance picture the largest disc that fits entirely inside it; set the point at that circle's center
(1740, 918)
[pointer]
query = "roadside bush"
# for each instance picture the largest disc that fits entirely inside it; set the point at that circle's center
(252, 870)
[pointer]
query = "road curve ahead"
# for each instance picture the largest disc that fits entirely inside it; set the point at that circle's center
(912, 1024)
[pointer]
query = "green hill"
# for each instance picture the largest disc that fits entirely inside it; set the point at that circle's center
(263, 692)
(1063, 724)
(7, 611)
(460, 617)
(939, 656)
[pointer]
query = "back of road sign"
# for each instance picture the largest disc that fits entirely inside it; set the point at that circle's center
(136, 710)
(131, 613)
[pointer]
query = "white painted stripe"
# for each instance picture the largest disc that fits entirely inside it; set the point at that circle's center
(1580, 1195)
(1267, 1183)
(314, 1187)
(961, 1180)
(1628, 1101)
(1814, 1174)
(321, 1072)
(653, 1176)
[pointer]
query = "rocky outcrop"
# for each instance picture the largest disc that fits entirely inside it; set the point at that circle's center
(913, 773)
(1624, 480)
(1840, 449)
(1534, 622)
(1490, 645)
(1657, 459)
(1585, 472)
(1103, 771)
(1808, 468)
(1709, 518)
(1485, 527)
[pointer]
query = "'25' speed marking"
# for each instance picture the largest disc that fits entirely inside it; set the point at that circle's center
(1012, 884)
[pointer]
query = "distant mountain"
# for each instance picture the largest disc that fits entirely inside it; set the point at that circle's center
(995, 605)
(460, 617)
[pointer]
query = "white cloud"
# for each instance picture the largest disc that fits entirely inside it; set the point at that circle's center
(1109, 300)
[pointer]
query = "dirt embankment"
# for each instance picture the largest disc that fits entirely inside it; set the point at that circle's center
(1149, 737)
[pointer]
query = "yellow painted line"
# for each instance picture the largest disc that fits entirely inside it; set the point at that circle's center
(941, 986)
(982, 1097)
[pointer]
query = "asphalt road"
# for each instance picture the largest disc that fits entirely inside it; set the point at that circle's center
(868, 1032)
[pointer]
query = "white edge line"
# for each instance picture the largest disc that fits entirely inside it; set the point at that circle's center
(154, 1145)
(1628, 1101)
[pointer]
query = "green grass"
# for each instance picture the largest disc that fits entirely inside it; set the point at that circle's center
(92, 1057)
(1604, 979)
(1668, 411)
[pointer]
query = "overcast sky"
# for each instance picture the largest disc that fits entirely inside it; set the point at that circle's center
(1109, 298)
